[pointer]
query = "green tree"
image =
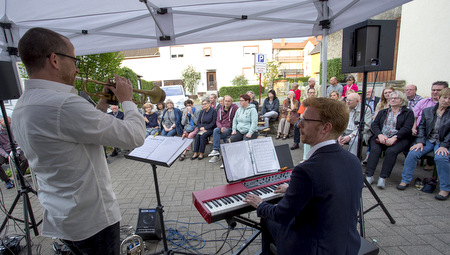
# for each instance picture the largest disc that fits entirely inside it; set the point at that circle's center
(271, 74)
(239, 80)
(98, 67)
(190, 78)
(333, 69)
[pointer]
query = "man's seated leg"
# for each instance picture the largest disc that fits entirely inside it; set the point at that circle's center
(296, 136)
(269, 230)
(216, 142)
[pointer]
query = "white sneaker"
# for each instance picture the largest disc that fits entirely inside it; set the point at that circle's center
(381, 183)
(221, 166)
(214, 159)
(370, 179)
(214, 153)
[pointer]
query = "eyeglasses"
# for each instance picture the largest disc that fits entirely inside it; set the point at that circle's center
(302, 120)
(77, 60)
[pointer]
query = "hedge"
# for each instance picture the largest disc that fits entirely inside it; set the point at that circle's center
(236, 91)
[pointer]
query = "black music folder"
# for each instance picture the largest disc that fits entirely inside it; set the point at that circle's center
(160, 150)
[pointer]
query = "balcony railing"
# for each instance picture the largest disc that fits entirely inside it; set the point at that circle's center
(291, 72)
(289, 59)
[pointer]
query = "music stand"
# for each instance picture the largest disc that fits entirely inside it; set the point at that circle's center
(12, 90)
(159, 207)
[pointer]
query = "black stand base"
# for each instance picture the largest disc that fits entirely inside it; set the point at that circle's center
(379, 202)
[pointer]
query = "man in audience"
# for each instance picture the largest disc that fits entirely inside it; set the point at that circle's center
(334, 86)
(413, 98)
(371, 100)
(225, 116)
(118, 114)
(312, 85)
(318, 213)
(213, 101)
(5, 150)
(350, 135)
(436, 87)
(310, 93)
(298, 92)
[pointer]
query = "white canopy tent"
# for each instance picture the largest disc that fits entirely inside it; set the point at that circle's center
(98, 26)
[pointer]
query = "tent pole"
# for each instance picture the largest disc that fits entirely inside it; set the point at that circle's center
(325, 23)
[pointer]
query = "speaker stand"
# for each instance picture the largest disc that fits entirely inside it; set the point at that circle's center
(359, 154)
(21, 193)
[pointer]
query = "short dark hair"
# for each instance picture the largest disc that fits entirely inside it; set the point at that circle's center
(188, 101)
(440, 83)
(245, 97)
(36, 44)
(310, 89)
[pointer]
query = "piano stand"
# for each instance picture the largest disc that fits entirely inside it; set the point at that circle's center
(160, 211)
(250, 223)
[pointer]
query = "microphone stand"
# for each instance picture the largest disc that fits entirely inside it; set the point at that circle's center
(29, 219)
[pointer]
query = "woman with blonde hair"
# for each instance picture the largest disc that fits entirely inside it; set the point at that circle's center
(151, 120)
(384, 100)
(289, 115)
(335, 95)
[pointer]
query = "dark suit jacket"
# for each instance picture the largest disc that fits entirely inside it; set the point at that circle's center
(318, 213)
(120, 114)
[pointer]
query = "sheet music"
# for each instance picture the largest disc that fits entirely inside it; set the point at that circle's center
(237, 160)
(264, 155)
(161, 148)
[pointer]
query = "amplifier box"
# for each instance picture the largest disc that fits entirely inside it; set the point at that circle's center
(149, 225)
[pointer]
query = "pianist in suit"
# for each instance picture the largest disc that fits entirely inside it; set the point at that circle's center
(318, 212)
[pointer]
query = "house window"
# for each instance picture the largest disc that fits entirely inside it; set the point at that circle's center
(176, 52)
(250, 50)
(207, 52)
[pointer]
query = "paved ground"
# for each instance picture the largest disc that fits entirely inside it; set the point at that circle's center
(422, 223)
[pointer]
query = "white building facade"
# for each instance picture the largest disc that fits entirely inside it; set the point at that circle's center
(218, 63)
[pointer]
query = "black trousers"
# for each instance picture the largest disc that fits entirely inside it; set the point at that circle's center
(200, 141)
(239, 136)
(389, 158)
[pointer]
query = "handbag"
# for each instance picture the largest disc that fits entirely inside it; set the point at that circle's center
(188, 128)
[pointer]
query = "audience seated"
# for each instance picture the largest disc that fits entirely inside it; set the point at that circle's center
(206, 123)
(252, 100)
(213, 101)
(118, 114)
(5, 150)
(245, 121)
(151, 120)
(335, 95)
(334, 86)
(372, 100)
(171, 120)
(220, 100)
(160, 107)
(225, 116)
(350, 136)
(433, 135)
(270, 108)
(289, 115)
(392, 133)
(350, 85)
(411, 95)
(384, 100)
(189, 122)
(298, 93)
(310, 93)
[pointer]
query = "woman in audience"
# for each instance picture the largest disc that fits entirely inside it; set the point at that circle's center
(245, 121)
(189, 121)
(350, 85)
(392, 133)
(160, 107)
(171, 120)
(384, 100)
(151, 120)
(335, 95)
(289, 115)
(433, 135)
(220, 100)
(206, 123)
(270, 108)
(252, 99)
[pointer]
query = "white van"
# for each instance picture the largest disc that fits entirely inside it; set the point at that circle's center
(176, 94)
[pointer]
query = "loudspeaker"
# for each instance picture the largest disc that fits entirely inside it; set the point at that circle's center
(369, 46)
(149, 225)
(9, 80)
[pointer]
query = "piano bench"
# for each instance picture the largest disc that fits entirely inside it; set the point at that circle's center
(367, 248)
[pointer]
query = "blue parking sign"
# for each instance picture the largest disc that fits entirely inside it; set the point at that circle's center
(261, 58)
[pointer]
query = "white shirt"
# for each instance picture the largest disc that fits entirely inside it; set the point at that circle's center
(62, 136)
(318, 146)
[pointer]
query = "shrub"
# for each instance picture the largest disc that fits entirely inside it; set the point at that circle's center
(239, 80)
(236, 91)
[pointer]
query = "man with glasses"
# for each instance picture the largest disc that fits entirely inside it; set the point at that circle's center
(318, 213)
(64, 144)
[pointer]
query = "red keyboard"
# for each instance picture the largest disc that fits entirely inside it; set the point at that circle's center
(226, 201)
